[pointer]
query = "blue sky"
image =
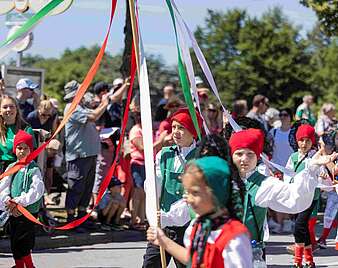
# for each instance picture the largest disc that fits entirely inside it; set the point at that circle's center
(85, 23)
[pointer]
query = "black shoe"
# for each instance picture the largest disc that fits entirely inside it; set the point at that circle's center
(308, 265)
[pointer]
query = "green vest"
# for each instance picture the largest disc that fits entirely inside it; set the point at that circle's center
(21, 182)
(254, 216)
(172, 188)
(295, 160)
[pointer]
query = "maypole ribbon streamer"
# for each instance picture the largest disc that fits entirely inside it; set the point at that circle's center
(206, 70)
(81, 91)
(190, 70)
(183, 76)
(111, 170)
(28, 25)
(84, 86)
(147, 131)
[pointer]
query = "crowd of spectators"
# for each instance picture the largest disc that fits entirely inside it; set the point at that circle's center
(77, 161)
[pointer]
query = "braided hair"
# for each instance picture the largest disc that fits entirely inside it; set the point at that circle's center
(216, 145)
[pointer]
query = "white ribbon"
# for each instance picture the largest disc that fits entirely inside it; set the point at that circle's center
(190, 70)
(147, 136)
(206, 70)
(4, 51)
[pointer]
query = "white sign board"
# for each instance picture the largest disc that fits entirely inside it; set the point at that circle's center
(12, 75)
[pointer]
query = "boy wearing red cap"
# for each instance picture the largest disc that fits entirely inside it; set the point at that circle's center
(170, 162)
(266, 192)
(305, 137)
(25, 188)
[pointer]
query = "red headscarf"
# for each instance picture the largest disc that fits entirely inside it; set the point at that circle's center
(183, 117)
(306, 131)
(251, 138)
(23, 137)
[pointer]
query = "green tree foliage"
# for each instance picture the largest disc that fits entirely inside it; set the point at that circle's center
(250, 55)
(74, 64)
(324, 78)
(327, 13)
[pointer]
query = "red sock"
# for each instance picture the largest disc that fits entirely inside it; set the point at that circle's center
(298, 258)
(311, 226)
(334, 224)
(308, 256)
(325, 233)
(28, 261)
(19, 263)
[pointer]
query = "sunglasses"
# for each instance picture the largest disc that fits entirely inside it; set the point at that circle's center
(212, 110)
(45, 115)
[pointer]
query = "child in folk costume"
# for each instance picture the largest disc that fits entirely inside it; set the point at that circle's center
(215, 238)
(170, 162)
(266, 192)
(25, 188)
(331, 210)
(305, 137)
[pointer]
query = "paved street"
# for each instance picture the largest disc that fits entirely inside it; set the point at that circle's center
(129, 255)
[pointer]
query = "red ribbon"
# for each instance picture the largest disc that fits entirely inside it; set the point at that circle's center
(81, 91)
(79, 94)
(111, 170)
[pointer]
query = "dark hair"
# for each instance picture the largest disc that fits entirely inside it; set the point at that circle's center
(257, 99)
(216, 145)
(288, 110)
(100, 87)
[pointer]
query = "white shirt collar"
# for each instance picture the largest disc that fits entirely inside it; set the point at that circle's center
(186, 150)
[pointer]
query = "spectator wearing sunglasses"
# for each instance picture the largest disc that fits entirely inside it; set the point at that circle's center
(173, 104)
(213, 119)
(43, 117)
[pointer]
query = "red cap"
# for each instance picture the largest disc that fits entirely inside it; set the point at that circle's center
(23, 137)
(251, 138)
(183, 117)
(306, 131)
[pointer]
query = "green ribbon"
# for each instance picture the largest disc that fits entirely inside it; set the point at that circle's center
(183, 77)
(31, 22)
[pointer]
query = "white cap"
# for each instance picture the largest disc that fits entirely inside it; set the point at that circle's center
(26, 83)
(198, 80)
(118, 81)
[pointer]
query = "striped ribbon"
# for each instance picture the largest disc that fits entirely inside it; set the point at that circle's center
(183, 76)
(28, 25)
(81, 91)
(207, 72)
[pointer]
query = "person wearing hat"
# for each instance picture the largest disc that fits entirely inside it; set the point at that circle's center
(26, 89)
(82, 147)
(25, 188)
(111, 206)
(267, 192)
(215, 238)
(112, 116)
(169, 165)
(306, 220)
